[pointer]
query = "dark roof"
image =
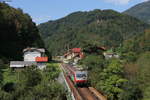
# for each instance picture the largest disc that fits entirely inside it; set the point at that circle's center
(34, 49)
(102, 48)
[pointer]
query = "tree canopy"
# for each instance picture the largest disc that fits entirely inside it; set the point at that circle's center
(17, 31)
(102, 27)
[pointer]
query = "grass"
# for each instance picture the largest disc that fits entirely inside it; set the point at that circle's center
(53, 64)
(57, 64)
(9, 76)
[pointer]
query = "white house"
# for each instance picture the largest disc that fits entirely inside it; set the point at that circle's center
(110, 55)
(32, 56)
(31, 53)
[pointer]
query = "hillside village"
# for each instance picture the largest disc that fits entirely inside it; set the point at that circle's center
(75, 54)
(37, 57)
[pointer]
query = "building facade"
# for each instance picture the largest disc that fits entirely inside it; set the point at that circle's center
(31, 53)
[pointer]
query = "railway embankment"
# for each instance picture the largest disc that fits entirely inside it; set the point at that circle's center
(79, 93)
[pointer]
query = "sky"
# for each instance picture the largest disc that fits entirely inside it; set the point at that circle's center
(45, 10)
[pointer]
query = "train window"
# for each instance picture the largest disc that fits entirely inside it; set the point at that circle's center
(80, 75)
(83, 75)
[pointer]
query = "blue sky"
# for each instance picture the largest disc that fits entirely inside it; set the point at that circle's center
(44, 10)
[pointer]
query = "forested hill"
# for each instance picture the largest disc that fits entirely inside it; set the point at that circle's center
(141, 11)
(17, 31)
(100, 27)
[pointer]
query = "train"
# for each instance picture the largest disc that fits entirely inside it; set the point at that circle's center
(79, 76)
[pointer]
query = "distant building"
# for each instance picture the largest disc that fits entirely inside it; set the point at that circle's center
(110, 55)
(21, 64)
(32, 56)
(74, 53)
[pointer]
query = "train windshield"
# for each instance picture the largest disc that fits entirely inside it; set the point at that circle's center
(80, 75)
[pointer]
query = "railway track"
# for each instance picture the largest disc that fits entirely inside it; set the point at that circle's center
(98, 95)
(86, 94)
(73, 89)
(83, 93)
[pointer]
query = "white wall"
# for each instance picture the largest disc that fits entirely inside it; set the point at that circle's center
(30, 56)
(69, 56)
(18, 66)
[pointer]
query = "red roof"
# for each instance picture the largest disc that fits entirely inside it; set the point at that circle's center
(41, 59)
(76, 50)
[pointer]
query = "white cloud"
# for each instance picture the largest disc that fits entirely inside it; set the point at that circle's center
(120, 2)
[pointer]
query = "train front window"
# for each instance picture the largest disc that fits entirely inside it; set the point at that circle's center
(80, 75)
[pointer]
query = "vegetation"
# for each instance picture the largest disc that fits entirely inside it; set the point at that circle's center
(126, 78)
(108, 77)
(135, 53)
(137, 44)
(140, 11)
(104, 75)
(143, 74)
(138, 73)
(33, 84)
(119, 79)
(100, 27)
(17, 31)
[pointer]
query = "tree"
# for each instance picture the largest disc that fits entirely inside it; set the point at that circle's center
(31, 76)
(143, 74)
(112, 80)
(93, 61)
(108, 79)
(17, 32)
(1, 75)
(131, 91)
(34, 84)
(51, 72)
(108, 28)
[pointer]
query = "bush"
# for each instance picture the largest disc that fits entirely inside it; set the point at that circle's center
(31, 76)
(34, 84)
(9, 87)
(131, 91)
(93, 61)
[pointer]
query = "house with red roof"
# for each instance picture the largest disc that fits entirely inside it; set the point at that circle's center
(31, 56)
(74, 52)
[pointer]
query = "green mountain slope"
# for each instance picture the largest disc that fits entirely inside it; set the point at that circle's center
(138, 44)
(137, 68)
(17, 31)
(107, 28)
(141, 11)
